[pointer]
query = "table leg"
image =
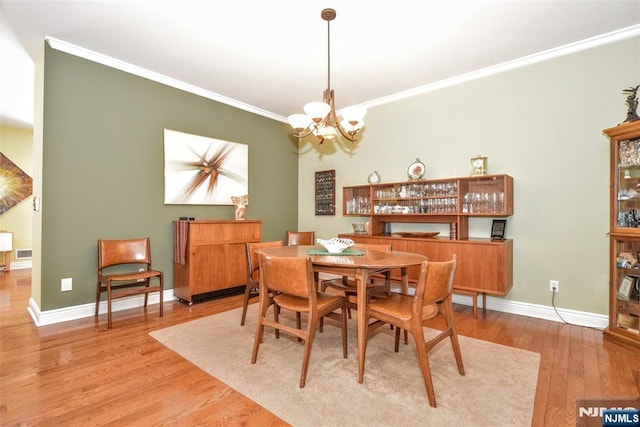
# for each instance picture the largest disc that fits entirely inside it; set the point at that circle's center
(404, 281)
(361, 295)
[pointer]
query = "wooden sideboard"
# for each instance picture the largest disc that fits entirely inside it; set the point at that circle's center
(215, 257)
(485, 266)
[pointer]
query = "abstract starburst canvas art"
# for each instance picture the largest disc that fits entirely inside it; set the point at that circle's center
(203, 171)
(15, 184)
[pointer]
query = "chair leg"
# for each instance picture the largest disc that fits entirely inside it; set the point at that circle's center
(312, 324)
(344, 331)
(299, 324)
(447, 312)
(108, 304)
(276, 317)
(276, 311)
(423, 357)
(161, 296)
(98, 292)
(245, 303)
(264, 306)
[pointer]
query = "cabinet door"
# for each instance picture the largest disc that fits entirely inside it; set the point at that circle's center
(217, 267)
(625, 178)
(482, 267)
(627, 186)
(625, 292)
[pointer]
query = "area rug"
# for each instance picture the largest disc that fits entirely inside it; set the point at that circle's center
(498, 389)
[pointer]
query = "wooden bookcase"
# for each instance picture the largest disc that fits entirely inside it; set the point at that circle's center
(215, 258)
(450, 201)
(624, 235)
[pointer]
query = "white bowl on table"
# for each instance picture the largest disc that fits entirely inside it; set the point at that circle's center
(336, 245)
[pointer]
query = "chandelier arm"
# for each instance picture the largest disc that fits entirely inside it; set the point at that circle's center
(333, 120)
(345, 134)
(303, 134)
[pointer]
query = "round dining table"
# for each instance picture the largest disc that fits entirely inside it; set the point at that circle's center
(359, 266)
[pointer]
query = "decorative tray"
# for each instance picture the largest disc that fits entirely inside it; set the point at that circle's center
(412, 234)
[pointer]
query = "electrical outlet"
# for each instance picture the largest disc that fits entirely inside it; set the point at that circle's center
(66, 284)
(554, 286)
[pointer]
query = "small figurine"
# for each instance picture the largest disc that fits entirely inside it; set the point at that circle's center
(632, 102)
(240, 203)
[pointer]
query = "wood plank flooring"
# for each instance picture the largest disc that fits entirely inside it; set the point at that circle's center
(81, 373)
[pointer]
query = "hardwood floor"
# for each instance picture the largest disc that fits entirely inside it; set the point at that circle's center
(81, 373)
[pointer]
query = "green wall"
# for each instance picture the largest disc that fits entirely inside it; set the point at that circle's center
(102, 174)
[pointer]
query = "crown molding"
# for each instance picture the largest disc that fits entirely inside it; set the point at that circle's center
(156, 77)
(612, 37)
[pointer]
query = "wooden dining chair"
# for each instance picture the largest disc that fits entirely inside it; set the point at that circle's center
(252, 288)
(295, 238)
(347, 285)
(433, 297)
(291, 281)
(132, 272)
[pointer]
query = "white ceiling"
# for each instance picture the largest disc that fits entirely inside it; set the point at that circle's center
(271, 56)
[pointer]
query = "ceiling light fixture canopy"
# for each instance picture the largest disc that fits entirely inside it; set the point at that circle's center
(320, 118)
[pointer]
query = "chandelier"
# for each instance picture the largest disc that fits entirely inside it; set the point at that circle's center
(320, 118)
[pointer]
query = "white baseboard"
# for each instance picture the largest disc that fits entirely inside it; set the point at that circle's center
(49, 317)
(19, 265)
(580, 318)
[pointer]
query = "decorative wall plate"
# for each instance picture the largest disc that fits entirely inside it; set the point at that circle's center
(374, 178)
(416, 169)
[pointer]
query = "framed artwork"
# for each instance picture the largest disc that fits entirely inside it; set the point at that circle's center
(498, 229)
(15, 184)
(626, 285)
(326, 192)
(203, 171)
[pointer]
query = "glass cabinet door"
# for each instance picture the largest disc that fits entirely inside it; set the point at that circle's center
(625, 304)
(627, 185)
(356, 200)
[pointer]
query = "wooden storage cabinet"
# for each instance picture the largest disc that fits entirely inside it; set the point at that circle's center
(216, 257)
(484, 265)
(624, 262)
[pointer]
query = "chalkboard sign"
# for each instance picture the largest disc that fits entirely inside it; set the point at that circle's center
(326, 192)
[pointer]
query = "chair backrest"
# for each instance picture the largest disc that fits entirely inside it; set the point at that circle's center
(252, 257)
(373, 246)
(295, 238)
(288, 275)
(439, 281)
(127, 251)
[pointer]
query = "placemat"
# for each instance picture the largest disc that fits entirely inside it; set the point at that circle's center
(346, 252)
